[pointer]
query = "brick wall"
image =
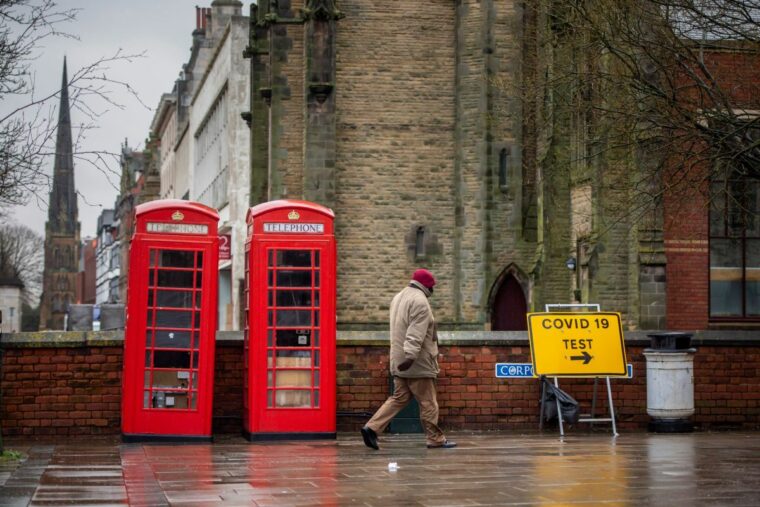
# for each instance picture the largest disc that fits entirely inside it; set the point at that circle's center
(395, 119)
(62, 391)
(686, 248)
(469, 395)
(228, 390)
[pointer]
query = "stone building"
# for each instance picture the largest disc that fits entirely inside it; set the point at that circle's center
(391, 114)
(62, 227)
(139, 183)
(87, 272)
(107, 259)
(410, 121)
(203, 141)
(11, 301)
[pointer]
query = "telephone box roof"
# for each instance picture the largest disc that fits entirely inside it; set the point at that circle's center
(265, 207)
(176, 204)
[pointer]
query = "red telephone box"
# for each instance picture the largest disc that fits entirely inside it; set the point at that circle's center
(169, 340)
(289, 388)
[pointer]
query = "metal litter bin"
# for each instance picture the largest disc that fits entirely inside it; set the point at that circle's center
(111, 316)
(80, 318)
(670, 382)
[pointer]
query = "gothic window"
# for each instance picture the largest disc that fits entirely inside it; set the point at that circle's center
(57, 257)
(504, 162)
(57, 304)
(735, 249)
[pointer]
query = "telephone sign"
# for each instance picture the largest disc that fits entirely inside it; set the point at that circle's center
(577, 344)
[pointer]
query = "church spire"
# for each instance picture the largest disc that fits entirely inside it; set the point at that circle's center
(62, 213)
(59, 278)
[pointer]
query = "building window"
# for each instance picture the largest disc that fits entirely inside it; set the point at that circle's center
(735, 249)
(504, 163)
(115, 264)
(419, 242)
(211, 170)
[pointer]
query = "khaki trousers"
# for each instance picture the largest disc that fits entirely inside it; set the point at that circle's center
(423, 390)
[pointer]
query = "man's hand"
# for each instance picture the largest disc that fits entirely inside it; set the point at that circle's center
(406, 365)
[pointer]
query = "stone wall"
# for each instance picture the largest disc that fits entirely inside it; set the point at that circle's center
(394, 115)
(70, 383)
(395, 120)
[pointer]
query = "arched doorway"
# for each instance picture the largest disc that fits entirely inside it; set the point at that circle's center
(508, 307)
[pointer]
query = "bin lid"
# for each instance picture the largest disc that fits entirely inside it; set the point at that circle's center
(670, 334)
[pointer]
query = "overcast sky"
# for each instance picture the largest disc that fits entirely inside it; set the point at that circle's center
(160, 28)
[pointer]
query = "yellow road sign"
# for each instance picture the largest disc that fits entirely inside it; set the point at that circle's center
(577, 344)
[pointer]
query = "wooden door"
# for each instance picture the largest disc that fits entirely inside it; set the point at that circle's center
(509, 307)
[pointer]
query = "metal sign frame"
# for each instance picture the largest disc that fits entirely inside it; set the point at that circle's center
(543, 378)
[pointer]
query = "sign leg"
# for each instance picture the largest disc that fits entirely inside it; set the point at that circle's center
(543, 401)
(559, 410)
(612, 408)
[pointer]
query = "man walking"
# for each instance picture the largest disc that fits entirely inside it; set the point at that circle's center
(413, 362)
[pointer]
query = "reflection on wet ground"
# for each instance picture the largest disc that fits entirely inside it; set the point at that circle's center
(485, 469)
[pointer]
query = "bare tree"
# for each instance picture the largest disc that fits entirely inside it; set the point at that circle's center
(644, 84)
(27, 116)
(22, 258)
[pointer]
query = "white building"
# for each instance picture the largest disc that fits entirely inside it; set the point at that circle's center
(204, 142)
(107, 260)
(10, 305)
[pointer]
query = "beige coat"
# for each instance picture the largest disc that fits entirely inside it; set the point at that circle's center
(413, 333)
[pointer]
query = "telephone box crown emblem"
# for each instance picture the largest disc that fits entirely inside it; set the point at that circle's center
(177, 216)
(293, 215)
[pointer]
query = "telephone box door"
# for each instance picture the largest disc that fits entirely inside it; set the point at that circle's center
(171, 323)
(291, 346)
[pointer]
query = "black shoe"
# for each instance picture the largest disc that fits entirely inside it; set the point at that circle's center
(370, 438)
(447, 444)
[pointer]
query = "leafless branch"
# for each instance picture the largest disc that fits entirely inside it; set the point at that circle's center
(27, 129)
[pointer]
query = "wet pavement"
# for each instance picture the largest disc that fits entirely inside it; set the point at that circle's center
(485, 469)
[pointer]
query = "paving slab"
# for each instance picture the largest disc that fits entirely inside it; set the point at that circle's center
(485, 469)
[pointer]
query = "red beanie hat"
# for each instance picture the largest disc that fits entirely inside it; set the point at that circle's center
(425, 277)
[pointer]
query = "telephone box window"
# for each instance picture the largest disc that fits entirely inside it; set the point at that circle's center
(173, 320)
(291, 318)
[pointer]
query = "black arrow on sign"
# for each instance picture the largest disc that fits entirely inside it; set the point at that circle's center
(586, 357)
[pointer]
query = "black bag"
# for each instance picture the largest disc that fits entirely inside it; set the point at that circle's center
(568, 405)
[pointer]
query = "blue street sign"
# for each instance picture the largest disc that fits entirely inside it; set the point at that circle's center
(525, 370)
(514, 370)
